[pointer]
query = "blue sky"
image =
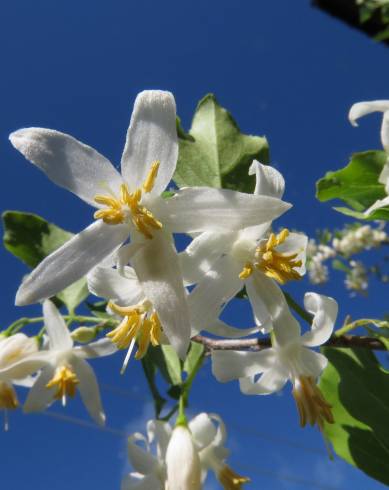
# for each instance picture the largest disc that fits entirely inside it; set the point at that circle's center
(283, 69)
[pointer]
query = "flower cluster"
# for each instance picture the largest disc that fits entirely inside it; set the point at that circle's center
(346, 243)
(156, 296)
(184, 455)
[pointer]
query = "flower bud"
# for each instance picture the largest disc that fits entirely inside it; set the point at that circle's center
(83, 334)
(182, 461)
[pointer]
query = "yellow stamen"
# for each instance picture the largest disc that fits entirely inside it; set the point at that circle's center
(277, 265)
(8, 398)
(149, 182)
(246, 271)
(117, 210)
(313, 408)
(66, 382)
(231, 480)
(136, 325)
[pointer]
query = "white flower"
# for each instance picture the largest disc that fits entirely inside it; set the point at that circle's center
(131, 204)
(357, 278)
(361, 109)
(16, 366)
(210, 440)
(222, 264)
(65, 369)
(288, 359)
(182, 461)
(150, 470)
(140, 322)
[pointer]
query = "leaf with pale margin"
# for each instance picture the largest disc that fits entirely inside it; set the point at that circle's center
(215, 153)
(357, 387)
(31, 238)
(356, 185)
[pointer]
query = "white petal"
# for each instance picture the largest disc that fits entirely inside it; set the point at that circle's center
(361, 109)
(218, 286)
(285, 326)
(195, 209)
(39, 396)
(15, 348)
(152, 136)
(385, 131)
(222, 329)
(221, 433)
(108, 283)
(269, 181)
(156, 265)
(313, 363)
(271, 381)
(228, 365)
(89, 389)
(203, 430)
(159, 432)
(67, 162)
(149, 482)
(324, 310)
(202, 252)
(26, 366)
(71, 261)
(254, 233)
(141, 460)
(100, 348)
(58, 332)
(260, 311)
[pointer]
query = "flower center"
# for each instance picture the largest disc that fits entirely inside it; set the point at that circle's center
(8, 398)
(117, 210)
(276, 265)
(137, 325)
(231, 480)
(65, 381)
(311, 404)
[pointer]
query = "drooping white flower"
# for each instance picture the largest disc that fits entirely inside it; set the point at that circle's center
(140, 322)
(150, 470)
(131, 204)
(289, 359)
(222, 264)
(16, 366)
(361, 109)
(210, 440)
(64, 368)
(182, 461)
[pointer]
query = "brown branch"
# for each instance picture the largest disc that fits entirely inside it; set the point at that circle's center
(259, 344)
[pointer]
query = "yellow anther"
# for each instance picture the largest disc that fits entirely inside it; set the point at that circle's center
(231, 480)
(149, 182)
(129, 207)
(66, 381)
(136, 325)
(313, 408)
(277, 265)
(8, 398)
(246, 271)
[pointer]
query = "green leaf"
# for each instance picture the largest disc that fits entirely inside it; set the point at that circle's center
(173, 364)
(193, 357)
(215, 153)
(357, 387)
(356, 185)
(31, 238)
(338, 265)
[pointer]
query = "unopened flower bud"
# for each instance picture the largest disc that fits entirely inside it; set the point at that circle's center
(182, 461)
(83, 334)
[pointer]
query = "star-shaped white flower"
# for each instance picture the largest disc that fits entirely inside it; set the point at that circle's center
(131, 204)
(223, 263)
(64, 368)
(289, 359)
(17, 363)
(361, 109)
(210, 440)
